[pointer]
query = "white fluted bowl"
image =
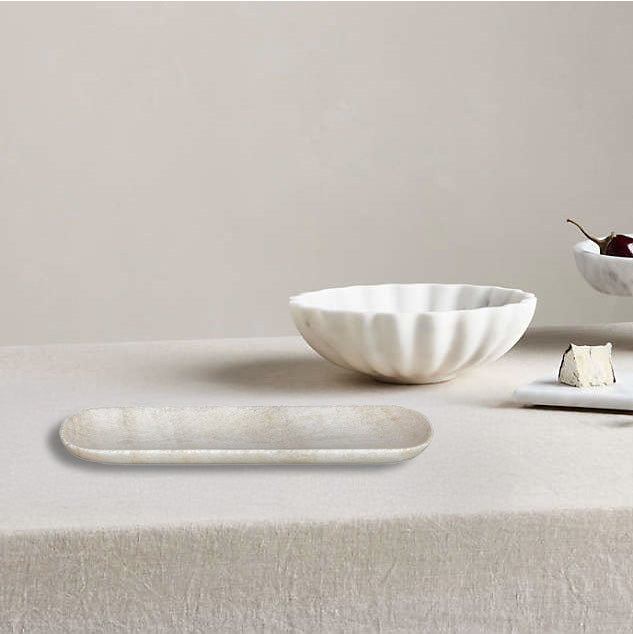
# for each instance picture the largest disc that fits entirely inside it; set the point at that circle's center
(412, 333)
(606, 273)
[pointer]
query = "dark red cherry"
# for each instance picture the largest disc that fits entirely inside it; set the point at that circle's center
(618, 245)
(621, 246)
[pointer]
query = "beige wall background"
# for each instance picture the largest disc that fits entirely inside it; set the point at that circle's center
(178, 170)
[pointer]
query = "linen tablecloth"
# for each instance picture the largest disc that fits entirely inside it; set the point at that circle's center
(513, 520)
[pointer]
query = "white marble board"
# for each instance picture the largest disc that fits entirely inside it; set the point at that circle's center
(548, 391)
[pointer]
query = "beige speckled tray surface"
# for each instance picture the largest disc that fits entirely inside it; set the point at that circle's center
(250, 435)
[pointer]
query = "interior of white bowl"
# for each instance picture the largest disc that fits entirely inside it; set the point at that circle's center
(588, 246)
(411, 298)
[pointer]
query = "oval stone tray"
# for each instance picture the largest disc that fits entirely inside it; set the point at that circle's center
(248, 435)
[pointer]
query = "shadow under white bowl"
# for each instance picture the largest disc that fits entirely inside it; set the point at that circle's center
(608, 274)
(412, 333)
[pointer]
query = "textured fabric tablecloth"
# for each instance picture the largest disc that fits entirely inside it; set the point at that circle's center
(513, 520)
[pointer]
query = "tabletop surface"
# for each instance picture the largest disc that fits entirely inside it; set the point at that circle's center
(487, 454)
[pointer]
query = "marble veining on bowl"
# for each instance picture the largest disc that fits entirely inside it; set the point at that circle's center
(608, 274)
(248, 435)
(412, 333)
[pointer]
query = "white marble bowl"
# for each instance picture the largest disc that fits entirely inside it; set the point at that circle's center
(606, 273)
(412, 333)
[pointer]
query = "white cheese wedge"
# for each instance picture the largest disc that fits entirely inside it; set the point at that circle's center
(587, 366)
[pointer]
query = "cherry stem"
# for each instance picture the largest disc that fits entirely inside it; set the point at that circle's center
(603, 243)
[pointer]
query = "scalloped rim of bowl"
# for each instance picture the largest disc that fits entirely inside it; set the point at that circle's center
(296, 300)
(591, 249)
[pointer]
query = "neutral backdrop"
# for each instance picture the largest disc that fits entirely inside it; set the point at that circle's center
(178, 170)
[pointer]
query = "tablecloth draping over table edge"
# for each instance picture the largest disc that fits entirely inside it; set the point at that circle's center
(530, 572)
